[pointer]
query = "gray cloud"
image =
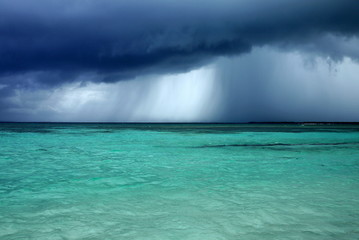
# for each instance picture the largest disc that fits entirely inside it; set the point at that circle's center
(272, 85)
(172, 97)
(121, 39)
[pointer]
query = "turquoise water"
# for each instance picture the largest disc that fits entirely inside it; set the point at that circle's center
(143, 181)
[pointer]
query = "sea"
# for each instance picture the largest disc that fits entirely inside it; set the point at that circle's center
(99, 181)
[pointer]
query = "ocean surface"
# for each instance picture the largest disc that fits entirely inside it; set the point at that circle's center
(179, 181)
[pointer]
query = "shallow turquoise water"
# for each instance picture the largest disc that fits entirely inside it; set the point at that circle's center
(143, 181)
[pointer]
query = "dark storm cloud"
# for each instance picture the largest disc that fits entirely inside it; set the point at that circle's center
(56, 41)
(287, 86)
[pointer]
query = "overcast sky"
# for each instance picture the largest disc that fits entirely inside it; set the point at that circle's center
(170, 60)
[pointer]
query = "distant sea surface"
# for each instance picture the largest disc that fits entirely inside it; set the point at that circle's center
(179, 181)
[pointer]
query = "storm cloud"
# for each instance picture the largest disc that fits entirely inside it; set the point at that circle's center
(45, 44)
(120, 39)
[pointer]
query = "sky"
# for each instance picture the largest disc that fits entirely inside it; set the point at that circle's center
(179, 61)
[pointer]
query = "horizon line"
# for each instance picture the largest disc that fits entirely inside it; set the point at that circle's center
(259, 122)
